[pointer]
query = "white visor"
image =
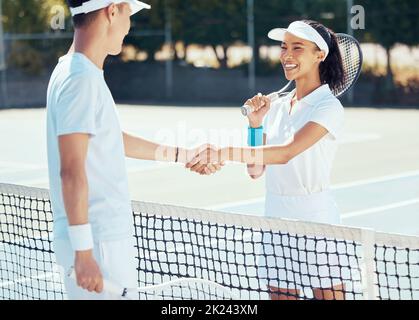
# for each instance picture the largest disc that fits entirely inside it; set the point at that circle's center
(303, 31)
(94, 5)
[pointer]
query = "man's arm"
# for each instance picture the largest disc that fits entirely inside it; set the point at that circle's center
(139, 148)
(73, 153)
(142, 149)
(304, 139)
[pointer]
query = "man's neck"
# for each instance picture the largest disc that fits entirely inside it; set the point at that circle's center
(89, 45)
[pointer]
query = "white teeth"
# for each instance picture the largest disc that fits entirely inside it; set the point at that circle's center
(290, 66)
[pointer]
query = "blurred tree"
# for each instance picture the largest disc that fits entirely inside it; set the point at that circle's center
(280, 13)
(389, 22)
(210, 22)
(26, 17)
(153, 19)
(222, 23)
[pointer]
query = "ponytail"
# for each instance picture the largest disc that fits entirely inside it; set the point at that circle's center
(331, 70)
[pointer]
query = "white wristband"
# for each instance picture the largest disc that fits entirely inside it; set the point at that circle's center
(81, 237)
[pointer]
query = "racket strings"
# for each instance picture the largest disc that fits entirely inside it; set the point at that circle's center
(352, 63)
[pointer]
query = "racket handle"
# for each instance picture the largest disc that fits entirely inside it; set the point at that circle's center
(108, 286)
(247, 110)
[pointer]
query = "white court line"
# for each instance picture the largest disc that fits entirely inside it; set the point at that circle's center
(380, 209)
(26, 280)
(21, 166)
(9, 170)
(352, 138)
(355, 138)
(29, 183)
(409, 174)
(45, 181)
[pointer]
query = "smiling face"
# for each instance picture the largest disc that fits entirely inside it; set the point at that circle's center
(300, 58)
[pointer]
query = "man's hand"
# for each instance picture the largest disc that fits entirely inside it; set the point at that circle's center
(207, 160)
(208, 168)
(87, 271)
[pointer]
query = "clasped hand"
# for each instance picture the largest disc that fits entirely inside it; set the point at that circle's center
(205, 160)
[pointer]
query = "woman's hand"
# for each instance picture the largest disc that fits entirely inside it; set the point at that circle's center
(255, 171)
(260, 105)
(210, 165)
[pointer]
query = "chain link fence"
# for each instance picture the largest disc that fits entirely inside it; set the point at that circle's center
(202, 54)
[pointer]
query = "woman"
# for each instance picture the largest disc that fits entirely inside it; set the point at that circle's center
(294, 141)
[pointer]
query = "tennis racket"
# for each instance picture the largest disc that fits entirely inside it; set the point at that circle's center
(179, 289)
(352, 64)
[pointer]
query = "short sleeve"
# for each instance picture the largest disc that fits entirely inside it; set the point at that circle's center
(76, 106)
(330, 116)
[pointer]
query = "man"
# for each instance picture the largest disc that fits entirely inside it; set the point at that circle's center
(93, 223)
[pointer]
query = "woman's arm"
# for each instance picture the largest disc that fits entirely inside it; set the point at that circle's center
(308, 136)
(257, 171)
(304, 139)
(261, 106)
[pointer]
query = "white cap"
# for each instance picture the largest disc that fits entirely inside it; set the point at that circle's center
(93, 5)
(303, 31)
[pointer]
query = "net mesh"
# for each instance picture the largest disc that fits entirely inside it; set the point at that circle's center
(250, 257)
(27, 262)
(186, 289)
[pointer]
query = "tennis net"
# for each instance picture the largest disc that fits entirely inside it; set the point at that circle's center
(249, 257)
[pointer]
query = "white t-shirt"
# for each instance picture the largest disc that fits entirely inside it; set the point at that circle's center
(308, 174)
(79, 101)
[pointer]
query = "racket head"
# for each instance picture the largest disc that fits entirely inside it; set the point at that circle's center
(184, 289)
(178, 289)
(352, 59)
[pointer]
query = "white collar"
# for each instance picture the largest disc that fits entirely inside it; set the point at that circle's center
(314, 97)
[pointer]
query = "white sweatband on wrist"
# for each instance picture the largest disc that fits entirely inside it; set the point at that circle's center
(81, 237)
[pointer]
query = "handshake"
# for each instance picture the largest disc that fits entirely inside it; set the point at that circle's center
(206, 159)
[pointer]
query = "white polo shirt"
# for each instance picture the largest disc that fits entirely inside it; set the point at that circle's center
(300, 188)
(79, 101)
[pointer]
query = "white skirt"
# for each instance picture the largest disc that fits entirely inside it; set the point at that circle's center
(289, 261)
(318, 207)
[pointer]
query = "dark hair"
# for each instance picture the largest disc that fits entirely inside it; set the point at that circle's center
(331, 70)
(82, 19)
